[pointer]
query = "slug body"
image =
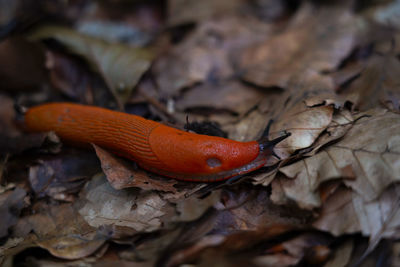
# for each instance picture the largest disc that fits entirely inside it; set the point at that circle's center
(153, 146)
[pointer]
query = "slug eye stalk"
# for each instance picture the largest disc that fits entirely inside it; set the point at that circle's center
(268, 145)
(265, 143)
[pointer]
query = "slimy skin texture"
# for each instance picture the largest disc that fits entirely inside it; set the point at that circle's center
(153, 146)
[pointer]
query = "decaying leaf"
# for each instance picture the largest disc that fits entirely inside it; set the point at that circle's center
(314, 72)
(249, 127)
(342, 255)
(311, 248)
(120, 65)
(305, 111)
(228, 251)
(387, 14)
(70, 77)
(71, 247)
(206, 55)
(230, 97)
(377, 219)
(371, 161)
(192, 208)
(317, 39)
(192, 11)
(11, 204)
(61, 231)
(305, 126)
(103, 205)
(379, 83)
(252, 209)
(60, 176)
(121, 174)
(341, 123)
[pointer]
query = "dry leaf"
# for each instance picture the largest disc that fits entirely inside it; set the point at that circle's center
(205, 56)
(230, 97)
(251, 208)
(233, 250)
(377, 219)
(342, 255)
(369, 158)
(103, 205)
(71, 78)
(60, 176)
(304, 125)
(121, 174)
(11, 204)
(192, 208)
(317, 39)
(387, 14)
(248, 127)
(341, 123)
(379, 83)
(310, 248)
(305, 111)
(192, 11)
(71, 247)
(60, 230)
(120, 65)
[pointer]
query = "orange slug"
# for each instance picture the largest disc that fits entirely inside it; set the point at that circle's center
(153, 146)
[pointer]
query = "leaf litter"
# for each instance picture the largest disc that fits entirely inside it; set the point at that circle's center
(327, 73)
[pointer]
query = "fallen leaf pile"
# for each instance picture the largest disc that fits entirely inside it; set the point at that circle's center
(328, 72)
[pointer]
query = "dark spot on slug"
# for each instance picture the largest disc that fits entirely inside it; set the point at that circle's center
(213, 162)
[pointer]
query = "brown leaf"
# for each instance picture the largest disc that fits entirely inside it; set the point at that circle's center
(43, 142)
(120, 65)
(317, 39)
(373, 160)
(61, 176)
(60, 230)
(232, 250)
(341, 123)
(71, 247)
(342, 255)
(310, 248)
(192, 208)
(379, 83)
(251, 208)
(248, 127)
(192, 64)
(377, 219)
(305, 111)
(304, 125)
(69, 77)
(121, 174)
(11, 204)
(231, 97)
(103, 205)
(205, 56)
(191, 11)
(386, 14)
